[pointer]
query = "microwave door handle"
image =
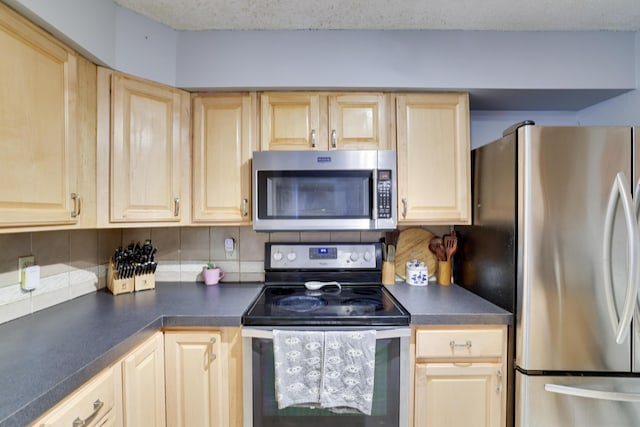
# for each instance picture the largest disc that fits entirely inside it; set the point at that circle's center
(589, 393)
(374, 213)
(620, 190)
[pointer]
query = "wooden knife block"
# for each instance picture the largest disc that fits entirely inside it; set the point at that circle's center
(118, 286)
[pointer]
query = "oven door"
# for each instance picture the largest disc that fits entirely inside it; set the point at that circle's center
(391, 385)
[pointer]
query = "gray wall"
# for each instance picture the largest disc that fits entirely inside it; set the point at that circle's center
(393, 60)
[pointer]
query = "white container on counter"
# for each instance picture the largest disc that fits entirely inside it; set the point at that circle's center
(417, 273)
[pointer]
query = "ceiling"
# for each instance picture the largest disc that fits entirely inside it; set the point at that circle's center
(500, 15)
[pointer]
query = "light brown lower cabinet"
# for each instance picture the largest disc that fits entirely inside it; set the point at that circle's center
(203, 378)
(459, 377)
(129, 393)
(97, 403)
(143, 384)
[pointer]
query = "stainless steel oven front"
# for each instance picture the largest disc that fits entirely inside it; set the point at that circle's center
(390, 405)
(325, 287)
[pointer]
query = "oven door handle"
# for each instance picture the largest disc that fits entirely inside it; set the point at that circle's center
(380, 333)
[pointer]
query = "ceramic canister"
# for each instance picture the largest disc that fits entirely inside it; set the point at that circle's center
(417, 273)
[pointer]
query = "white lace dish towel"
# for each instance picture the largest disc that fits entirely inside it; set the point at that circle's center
(327, 369)
(298, 367)
(349, 368)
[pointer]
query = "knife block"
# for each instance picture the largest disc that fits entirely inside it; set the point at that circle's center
(144, 281)
(117, 285)
(388, 273)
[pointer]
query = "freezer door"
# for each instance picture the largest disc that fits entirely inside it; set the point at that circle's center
(636, 197)
(565, 177)
(577, 401)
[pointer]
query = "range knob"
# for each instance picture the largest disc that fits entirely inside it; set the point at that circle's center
(277, 256)
(354, 256)
(291, 256)
(367, 256)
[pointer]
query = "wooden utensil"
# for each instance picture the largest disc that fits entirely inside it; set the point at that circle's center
(450, 242)
(450, 246)
(437, 247)
(413, 243)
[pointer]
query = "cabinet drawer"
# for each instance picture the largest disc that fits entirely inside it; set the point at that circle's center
(89, 404)
(463, 343)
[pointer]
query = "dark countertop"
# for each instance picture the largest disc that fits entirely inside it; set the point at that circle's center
(47, 355)
(447, 305)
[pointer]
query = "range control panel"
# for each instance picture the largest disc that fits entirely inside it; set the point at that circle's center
(322, 256)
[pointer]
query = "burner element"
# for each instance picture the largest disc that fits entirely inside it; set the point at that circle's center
(364, 302)
(300, 304)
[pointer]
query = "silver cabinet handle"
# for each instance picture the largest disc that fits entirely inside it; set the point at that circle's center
(176, 206)
(97, 405)
(334, 138)
(454, 344)
(592, 394)
(499, 375)
(313, 138)
(620, 191)
(245, 207)
(77, 205)
(212, 355)
(404, 207)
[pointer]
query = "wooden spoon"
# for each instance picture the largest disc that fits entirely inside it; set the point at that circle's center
(437, 247)
(450, 245)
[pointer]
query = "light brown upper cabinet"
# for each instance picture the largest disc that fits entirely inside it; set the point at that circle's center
(433, 158)
(321, 121)
(39, 131)
(143, 151)
(223, 142)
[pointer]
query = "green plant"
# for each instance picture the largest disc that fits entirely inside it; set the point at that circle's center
(210, 266)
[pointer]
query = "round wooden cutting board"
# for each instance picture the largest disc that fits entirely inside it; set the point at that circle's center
(413, 243)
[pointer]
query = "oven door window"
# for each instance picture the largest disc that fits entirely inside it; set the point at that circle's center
(386, 395)
(315, 194)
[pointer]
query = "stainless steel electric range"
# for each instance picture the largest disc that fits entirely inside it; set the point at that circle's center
(326, 287)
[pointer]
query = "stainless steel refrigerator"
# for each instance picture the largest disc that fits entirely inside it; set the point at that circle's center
(555, 241)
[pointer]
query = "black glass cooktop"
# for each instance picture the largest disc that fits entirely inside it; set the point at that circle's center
(350, 305)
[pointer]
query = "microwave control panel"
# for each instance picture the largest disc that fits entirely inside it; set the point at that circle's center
(384, 194)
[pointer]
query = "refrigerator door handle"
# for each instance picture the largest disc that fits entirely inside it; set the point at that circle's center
(636, 199)
(620, 190)
(591, 393)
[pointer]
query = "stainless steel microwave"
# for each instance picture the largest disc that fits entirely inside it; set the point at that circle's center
(324, 190)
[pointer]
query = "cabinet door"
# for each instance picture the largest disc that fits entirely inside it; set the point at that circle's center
(433, 159)
(358, 122)
(147, 145)
(38, 83)
(466, 395)
(223, 142)
(196, 380)
(143, 384)
(293, 121)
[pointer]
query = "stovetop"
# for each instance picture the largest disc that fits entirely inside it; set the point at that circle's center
(358, 300)
(351, 305)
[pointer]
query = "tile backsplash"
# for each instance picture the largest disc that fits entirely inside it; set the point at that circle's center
(74, 262)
